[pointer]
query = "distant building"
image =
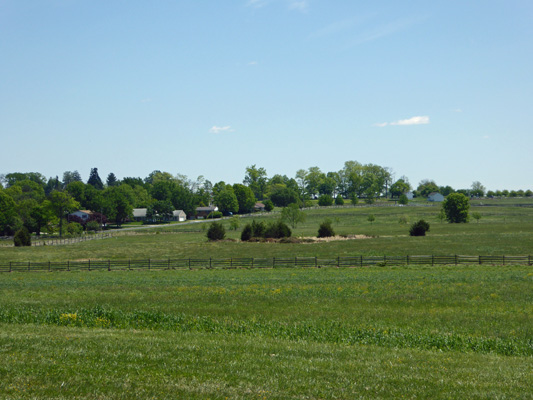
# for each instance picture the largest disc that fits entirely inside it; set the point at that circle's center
(179, 215)
(435, 196)
(203, 212)
(83, 214)
(259, 207)
(410, 195)
(139, 215)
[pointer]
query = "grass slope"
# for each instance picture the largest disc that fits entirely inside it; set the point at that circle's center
(461, 332)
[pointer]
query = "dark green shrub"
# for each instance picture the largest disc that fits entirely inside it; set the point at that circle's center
(247, 233)
(22, 237)
(277, 230)
(74, 228)
(93, 226)
(269, 206)
(325, 229)
(258, 228)
(419, 228)
(216, 231)
(403, 199)
(325, 200)
(214, 215)
(339, 201)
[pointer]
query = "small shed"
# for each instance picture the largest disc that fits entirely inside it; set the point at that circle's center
(435, 196)
(179, 215)
(259, 207)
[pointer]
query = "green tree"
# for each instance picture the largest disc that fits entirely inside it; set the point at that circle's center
(476, 216)
(292, 215)
(256, 180)
(426, 187)
(401, 186)
(70, 176)
(111, 180)
(62, 204)
(94, 179)
(269, 206)
(403, 200)
(160, 210)
(371, 218)
(9, 220)
(478, 189)
(117, 204)
(227, 201)
(325, 200)
(339, 201)
(245, 197)
(456, 207)
(282, 196)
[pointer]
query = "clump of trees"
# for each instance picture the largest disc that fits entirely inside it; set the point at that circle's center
(260, 230)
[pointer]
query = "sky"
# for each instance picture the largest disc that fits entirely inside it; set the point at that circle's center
(438, 89)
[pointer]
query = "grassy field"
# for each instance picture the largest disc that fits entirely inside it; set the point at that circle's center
(505, 228)
(417, 332)
(375, 332)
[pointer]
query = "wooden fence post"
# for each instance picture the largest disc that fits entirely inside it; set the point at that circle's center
(89, 264)
(68, 265)
(361, 263)
(109, 265)
(316, 263)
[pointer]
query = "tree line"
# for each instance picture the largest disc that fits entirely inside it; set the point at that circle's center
(38, 204)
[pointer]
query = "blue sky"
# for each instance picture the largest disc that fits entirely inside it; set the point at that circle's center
(437, 89)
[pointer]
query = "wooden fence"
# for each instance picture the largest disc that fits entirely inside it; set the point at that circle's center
(55, 241)
(275, 262)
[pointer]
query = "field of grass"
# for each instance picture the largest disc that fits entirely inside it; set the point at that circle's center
(505, 228)
(416, 332)
(375, 332)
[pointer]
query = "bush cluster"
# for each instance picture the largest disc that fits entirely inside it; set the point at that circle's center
(419, 228)
(22, 237)
(325, 229)
(216, 231)
(274, 230)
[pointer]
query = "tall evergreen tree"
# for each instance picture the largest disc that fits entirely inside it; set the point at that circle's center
(94, 179)
(111, 180)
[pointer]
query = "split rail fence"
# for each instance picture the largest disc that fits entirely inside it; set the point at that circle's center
(275, 262)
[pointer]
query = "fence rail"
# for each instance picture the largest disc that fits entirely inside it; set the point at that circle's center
(275, 262)
(53, 241)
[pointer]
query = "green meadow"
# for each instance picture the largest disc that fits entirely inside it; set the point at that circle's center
(441, 332)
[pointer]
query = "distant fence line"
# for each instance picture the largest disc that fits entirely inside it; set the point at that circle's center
(60, 241)
(274, 262)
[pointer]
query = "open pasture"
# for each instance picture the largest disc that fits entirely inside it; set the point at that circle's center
(505, 228)
(461, 332)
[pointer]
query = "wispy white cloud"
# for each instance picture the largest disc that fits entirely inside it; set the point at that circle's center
(298, 5)
(422, 120)
(337, 27)
(412, 121)
(221, 129)
(252, 63)
(147, 100)
(387, 29)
